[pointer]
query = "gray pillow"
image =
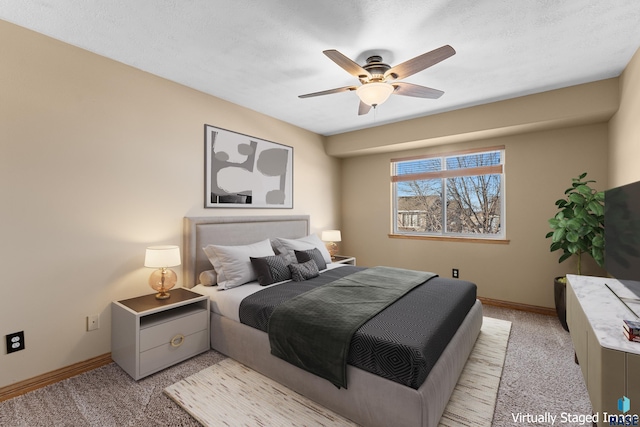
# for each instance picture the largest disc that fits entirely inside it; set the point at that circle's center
(303, 271)
(271, 269)
(311, 254)
(287, 246)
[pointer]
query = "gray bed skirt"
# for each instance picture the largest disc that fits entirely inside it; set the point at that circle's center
(370, 400)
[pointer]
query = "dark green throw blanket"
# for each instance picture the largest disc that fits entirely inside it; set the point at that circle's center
(313, 330)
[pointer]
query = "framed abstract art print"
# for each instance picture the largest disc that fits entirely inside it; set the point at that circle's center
(246, 172)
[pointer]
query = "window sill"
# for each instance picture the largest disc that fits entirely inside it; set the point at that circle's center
(450, 239)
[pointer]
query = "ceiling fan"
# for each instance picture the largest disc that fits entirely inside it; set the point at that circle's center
(379, 79)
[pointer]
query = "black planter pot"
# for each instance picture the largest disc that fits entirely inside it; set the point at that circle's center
(560, 297)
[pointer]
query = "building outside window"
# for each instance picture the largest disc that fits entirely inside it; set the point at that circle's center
(457, 194)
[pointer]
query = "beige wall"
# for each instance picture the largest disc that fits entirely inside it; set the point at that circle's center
(571, 106)
(539, 167)
(624, 151)
(98, 161)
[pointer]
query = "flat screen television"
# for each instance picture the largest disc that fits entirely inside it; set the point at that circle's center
(622, 234)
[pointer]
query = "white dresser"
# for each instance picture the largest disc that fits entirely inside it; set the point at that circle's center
(610, 363)
(148, 335)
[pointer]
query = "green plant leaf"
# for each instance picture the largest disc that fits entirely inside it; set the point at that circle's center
(558, 235)
(564, 257)
(575, 224)
(598, 242)
(576, 198)
(596, 207)
(572, 236)
(584, 189)
(555, 246)
(598, 256)
(591, 221)
(583, 245)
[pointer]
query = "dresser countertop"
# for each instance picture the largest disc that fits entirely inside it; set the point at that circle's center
(605, 311)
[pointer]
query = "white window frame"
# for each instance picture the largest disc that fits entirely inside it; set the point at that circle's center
(443, 174)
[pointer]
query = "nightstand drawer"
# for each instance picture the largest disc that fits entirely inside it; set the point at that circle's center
(166, 355)
(162, 333)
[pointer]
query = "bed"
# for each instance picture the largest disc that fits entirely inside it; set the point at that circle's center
(369, 399)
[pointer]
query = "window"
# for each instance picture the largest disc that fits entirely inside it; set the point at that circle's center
(455, 194)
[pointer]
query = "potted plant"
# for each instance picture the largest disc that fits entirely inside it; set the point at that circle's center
(577, 228)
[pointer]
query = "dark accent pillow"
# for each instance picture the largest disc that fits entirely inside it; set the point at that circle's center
(303, 271)
(271, 269)
(312, 254)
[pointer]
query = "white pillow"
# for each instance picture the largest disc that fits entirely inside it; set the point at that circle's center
(287, 246)
(233, 263)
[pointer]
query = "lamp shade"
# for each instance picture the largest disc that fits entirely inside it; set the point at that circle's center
(374, 93)
(331, 236)
(162, 256)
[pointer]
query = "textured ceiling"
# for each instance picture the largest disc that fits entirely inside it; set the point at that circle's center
(263, 54)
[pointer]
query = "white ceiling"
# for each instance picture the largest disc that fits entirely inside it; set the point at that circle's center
(262, 54)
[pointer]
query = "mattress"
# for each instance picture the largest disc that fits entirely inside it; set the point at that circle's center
(402, 343)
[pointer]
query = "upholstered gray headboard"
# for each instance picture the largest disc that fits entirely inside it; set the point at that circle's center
(236, 230)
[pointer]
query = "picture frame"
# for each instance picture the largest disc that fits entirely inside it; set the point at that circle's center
(243, 171)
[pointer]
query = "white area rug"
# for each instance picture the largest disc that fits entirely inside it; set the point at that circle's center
(474, 397)
(229, 393)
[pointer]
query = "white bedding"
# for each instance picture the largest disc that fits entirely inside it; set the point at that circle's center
(227, 302)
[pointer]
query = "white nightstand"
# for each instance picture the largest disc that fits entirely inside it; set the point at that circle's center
(148, 335)
(341, 259)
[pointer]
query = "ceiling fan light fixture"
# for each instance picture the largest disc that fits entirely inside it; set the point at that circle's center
(374, 93)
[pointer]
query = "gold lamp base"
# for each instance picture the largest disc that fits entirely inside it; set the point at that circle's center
(163, 295)
(332, 247)
(161, 281)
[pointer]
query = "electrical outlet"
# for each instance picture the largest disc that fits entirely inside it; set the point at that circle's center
(15, 342)
(455, 273)
(93, 322)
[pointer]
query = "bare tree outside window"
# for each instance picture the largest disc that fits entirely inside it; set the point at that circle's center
(473, 204)
(469, 186)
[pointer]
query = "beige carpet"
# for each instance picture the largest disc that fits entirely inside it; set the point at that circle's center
(229, 393)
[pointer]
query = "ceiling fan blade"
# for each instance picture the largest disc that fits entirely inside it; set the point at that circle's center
(347, 64)
(363, 108)
(419, 63)
(409, 89)
(328, 92)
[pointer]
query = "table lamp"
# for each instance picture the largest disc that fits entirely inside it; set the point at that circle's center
(162, 257)
(331, 237)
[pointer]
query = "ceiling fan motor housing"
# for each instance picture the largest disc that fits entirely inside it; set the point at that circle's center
(376, 68)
